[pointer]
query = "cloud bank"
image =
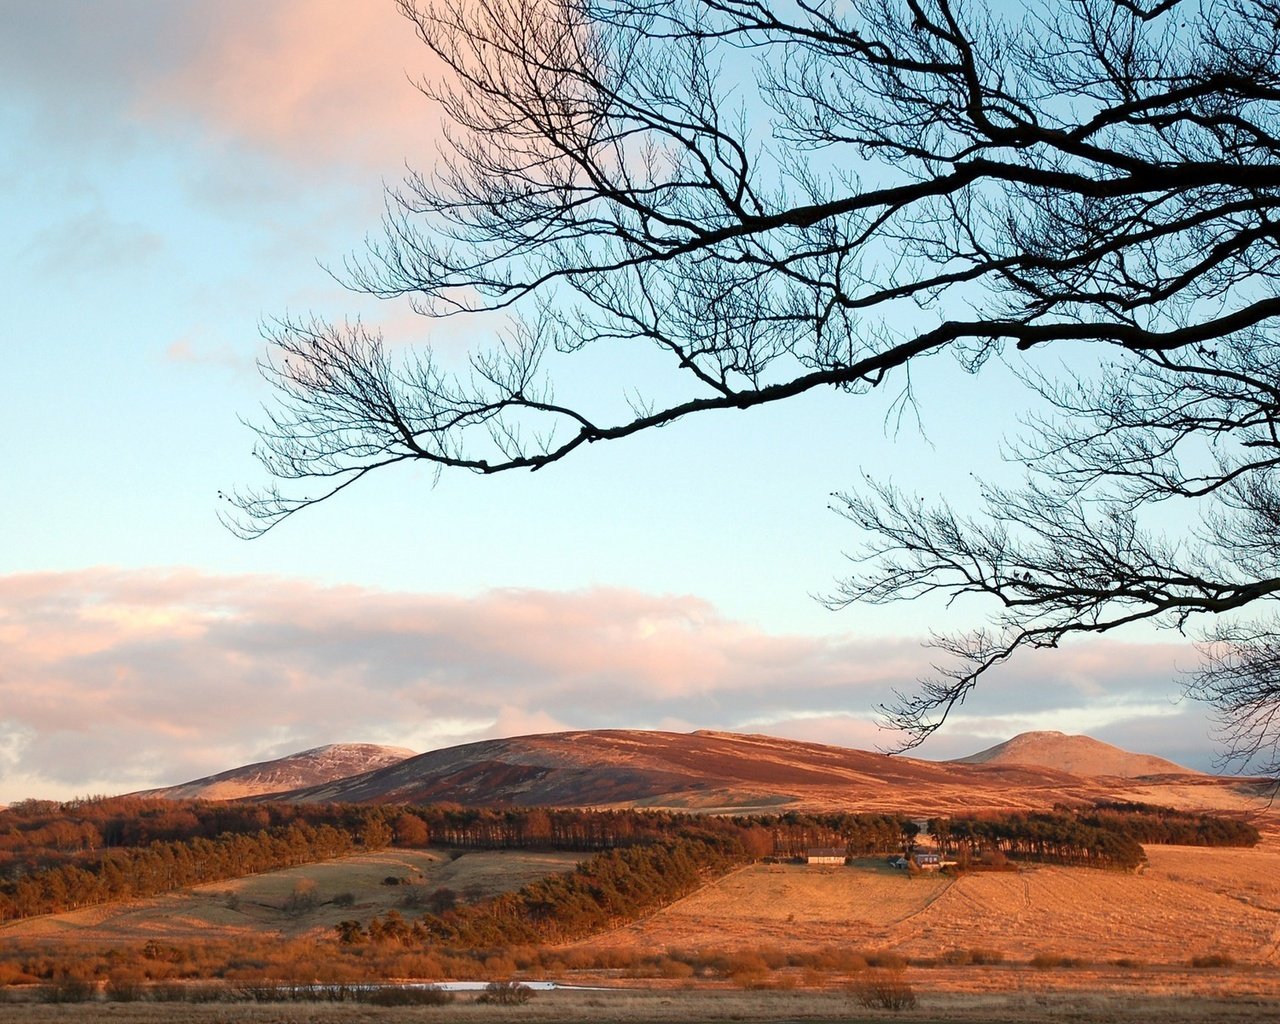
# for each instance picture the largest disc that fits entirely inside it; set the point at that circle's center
(115, 680)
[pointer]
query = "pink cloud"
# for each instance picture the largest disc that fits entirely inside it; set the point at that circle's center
(117, 679)
(312, 80)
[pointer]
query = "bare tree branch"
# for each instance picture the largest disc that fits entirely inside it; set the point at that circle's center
(779, 197)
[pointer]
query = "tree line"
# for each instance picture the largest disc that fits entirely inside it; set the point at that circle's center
(164, 866)
(1055, 837)
(1105, 835)
(36, 835)
(1150, 823)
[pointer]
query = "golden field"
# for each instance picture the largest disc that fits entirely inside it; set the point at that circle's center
(1069, 943)
(1189, 902)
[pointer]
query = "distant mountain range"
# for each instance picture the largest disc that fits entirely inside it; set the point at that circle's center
(706, 771)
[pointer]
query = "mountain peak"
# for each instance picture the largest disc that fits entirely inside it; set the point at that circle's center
(1079, 755)
(312, 767)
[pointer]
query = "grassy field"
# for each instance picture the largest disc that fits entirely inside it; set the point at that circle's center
(269, 903)
(1188, 903)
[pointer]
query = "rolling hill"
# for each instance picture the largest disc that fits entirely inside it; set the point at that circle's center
(715, 771)
(1079, 755)
(721, 772)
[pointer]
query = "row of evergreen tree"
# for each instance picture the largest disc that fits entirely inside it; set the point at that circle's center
(165, 866)
(1150, 823)
(1103, 835)
(1060, 838)
(39, 835)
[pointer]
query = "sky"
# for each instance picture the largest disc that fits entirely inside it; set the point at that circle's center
(173, 175)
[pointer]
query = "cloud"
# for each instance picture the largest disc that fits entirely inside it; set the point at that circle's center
(120, 679)
(314, 82)
(86, 242)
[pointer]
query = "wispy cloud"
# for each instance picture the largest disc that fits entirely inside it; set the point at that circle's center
(119, 679)
(323, 84)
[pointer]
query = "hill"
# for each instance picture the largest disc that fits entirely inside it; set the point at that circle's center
(305, 768)
(714, 771)
(1079, 755)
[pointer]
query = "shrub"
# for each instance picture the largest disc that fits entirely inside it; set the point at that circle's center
(68, 989)
(665, 967)
(124, 987)
(887, 959)
(1213, 960)
(838, 958)
(405, 995)
(506, 993)
(883, 990)
(742, 967)
(1048, 960)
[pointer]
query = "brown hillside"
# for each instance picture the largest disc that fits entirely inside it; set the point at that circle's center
(1079, 755)
(711, 771)
(305, 768)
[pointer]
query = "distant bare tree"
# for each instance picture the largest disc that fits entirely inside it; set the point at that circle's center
(775, 198)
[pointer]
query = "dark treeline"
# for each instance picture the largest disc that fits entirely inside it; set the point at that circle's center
(606, 890)
(860, 835)
(44, 833)
(1104, 835)
(1056, 837)
(164, 866)
(1149, 823)
(37, 835)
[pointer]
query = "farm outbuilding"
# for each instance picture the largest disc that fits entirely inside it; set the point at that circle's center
(825, 855)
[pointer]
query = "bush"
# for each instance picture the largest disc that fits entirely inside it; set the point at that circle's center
(666, 967)
(405, 995)
(506, 993)
(1213, 960)
(887, 959)
(1049, 960)
(68, 990)
(883, 990)
(838, 958)
(124, 988)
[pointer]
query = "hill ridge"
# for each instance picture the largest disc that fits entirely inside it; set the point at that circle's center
(1077, 754)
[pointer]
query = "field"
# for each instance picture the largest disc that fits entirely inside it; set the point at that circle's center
(1193, 937)
(295, 901)
(692, 1007)
(1190, 902)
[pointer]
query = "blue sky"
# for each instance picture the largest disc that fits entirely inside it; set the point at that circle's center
(176, 173)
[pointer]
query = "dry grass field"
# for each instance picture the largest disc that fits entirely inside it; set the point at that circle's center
(260, 904)
(691, 1007)
(1188, 903)
(1114, 947)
